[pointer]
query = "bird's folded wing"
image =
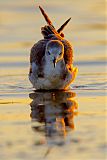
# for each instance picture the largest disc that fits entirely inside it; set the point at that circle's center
(38, 51)
(68, 52)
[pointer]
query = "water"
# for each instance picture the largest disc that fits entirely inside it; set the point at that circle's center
(51, 125)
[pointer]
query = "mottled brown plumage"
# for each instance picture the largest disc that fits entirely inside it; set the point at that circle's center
(38, 50)
(51, 59)
(49, 32)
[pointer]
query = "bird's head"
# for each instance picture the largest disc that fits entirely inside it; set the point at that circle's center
(54, 51)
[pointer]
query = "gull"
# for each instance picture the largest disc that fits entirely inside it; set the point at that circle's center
(51, 59)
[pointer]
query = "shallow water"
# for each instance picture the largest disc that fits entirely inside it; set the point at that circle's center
(53, 125)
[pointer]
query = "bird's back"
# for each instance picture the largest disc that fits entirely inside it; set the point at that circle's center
(38, 49)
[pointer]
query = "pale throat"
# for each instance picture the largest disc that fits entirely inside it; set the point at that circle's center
(49, 58)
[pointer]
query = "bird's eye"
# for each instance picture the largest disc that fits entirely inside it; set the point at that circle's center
(49, 53)
(60, 53)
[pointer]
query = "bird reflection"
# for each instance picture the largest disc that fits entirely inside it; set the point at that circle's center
(55, 111)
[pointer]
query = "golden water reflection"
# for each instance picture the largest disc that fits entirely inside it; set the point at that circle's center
(54, 111)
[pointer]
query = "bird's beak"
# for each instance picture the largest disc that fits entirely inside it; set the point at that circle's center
(54, 62)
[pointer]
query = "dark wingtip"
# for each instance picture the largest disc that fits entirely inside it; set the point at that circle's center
(45, 16)
(63, 26)
(41, 9)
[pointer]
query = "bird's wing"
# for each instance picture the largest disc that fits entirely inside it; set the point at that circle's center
(49, 22)
(36, 56)
(68, 53)
(49, 32)
(38, 51)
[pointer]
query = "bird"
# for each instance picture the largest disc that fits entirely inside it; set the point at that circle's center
(51, 59)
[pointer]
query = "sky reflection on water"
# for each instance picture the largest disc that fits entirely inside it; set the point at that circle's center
(81, 129)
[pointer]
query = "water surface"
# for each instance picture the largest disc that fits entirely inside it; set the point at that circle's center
(52, 125)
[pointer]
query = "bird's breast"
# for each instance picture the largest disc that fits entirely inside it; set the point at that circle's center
(52, 72)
